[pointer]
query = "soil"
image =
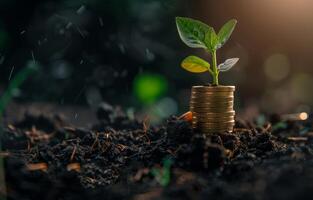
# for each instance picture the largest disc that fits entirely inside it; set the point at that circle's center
(45, 157)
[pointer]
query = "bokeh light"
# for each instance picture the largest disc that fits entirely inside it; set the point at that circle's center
(149, 87)
(277, 67)
(302, 87)
(303, 116)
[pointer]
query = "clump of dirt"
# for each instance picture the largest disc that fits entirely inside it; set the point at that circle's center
(46, 158)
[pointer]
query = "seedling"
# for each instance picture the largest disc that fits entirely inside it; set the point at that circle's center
(15, 83)
(163, 175)
(5, 99)
(197, 34)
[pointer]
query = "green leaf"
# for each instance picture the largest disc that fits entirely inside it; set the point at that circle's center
(225, 32)
(195, 64)
(211, 40)
(227, 65)
(192, 32)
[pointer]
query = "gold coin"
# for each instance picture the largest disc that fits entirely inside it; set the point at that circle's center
(206, 119)
(224, 107)
(211, 114)
(218, 120)
(202, 102)
(220, 123)
(209, 103)
(211, 109)
(224, 112)
(214, 127)
(213, 88)
(197, 93)
(213, 94)
(213, 130)
(209, 132)
(207, 115)
(210, 106)
(212, 123)
(216, 123)
(209, 97)
(225, 126)
(212, 99)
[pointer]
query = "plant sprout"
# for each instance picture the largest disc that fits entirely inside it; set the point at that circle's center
(197, 34)
(163, 175)
(5, 99)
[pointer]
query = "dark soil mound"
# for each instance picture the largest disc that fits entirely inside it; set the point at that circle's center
(118, 158)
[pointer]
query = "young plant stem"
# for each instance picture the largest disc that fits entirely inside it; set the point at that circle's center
(2, 170)
(214, 68)
(5, 99)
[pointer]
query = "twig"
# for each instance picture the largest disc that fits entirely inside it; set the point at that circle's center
(73, 153)
(266, 128)
(96, 141)
(28, 145)
(37, 166)
(297, 139)
(121, 147)
(4, 154)
(146, 126)
(73, 167)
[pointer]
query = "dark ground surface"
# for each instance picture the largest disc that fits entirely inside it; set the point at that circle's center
(117, 158)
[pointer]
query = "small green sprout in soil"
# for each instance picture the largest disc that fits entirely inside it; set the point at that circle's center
(5, 99)
(15, 83)
(163, 175)
(197, 34)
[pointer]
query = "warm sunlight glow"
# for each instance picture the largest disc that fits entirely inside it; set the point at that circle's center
(303, 116)
(296, 116)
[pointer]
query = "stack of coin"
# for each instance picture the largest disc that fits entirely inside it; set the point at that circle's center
(212, 108)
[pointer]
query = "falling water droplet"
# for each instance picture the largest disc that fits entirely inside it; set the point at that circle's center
(33, 57)
(149, 55)
(11, 72)
(80, 32)
(122, 48)
(81, 9)
(101, 22)
(69, 25)
(2, 60)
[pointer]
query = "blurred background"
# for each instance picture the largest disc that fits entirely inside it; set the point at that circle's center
(128, 53)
